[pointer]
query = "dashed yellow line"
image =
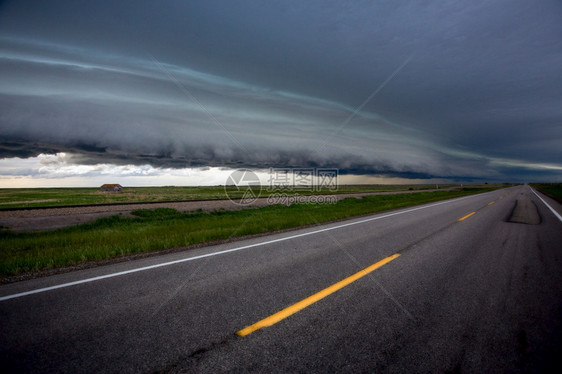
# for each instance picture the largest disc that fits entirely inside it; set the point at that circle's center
(491, 202)
(465, 217)
(274, 318)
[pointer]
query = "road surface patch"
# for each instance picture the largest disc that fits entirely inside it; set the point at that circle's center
(525, 212)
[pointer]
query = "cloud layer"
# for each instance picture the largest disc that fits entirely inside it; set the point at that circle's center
(455, 90)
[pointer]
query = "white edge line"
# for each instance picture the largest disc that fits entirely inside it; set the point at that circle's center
(87, 280)
(548, 206)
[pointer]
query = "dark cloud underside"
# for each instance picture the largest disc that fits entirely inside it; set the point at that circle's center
(461, 90)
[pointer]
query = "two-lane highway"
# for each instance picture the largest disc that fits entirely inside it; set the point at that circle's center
(471, 284)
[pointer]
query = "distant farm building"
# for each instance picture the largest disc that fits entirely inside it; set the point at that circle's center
(111, 187)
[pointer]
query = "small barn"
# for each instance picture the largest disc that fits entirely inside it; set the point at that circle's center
(111, 187)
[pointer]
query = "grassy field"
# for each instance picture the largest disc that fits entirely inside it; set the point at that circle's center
(553, 190)
(41, 197)
(36, 197)
(153, 230)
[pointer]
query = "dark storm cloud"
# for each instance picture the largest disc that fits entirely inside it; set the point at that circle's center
(265, 84)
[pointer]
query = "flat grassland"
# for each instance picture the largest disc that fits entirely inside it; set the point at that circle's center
(553, 190)
(44, 197)
(164, 228)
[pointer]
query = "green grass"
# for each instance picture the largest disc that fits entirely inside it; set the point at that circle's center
(158, 229)
(42, 197)
(553, 190)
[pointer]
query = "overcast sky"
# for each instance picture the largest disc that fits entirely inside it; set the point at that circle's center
(166, 90)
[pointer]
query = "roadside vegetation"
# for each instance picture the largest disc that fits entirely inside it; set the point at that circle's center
(164, 228)
(553, 190)
(44, 197)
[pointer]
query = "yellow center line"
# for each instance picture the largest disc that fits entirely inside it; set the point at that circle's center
(282, 314)
(491, 202)
(465, 217)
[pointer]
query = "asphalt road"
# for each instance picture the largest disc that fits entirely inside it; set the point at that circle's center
(481, 294)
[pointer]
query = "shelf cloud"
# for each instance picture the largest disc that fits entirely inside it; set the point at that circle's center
(453, 90)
